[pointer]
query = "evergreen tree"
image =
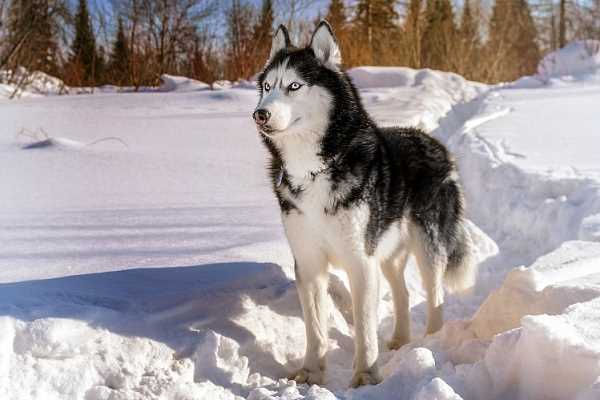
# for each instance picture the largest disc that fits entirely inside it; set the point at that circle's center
(337, 16)
(562, 24)
(83, 50)
(439, 36)
(412, 33)
(469, 43)
(119, 57)
(240, 48)
(526, 46)
(262, 33)
(469, 32)
(376, 31)
(512, 41)
(101, 64)
(32, 31)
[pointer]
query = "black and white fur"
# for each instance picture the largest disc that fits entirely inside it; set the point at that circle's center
(356, 196)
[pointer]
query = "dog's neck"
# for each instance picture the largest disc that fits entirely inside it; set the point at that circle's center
(300, 157)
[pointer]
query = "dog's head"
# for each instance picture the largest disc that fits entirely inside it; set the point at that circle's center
(295, 97)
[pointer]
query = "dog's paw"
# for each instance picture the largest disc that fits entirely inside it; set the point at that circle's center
(365, 378)
(395, 344)
(304, 375)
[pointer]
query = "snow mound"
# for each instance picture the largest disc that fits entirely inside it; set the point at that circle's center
(409, 97)
(549, 286)
(376, 77)
(548, 357)
(32, 84)
(540, 324)
(386, 77)
(172, 83)
(553, 169)
(245, 84)
(533, 338)
(221, 85)
(578, 60)
(28, 140)
(6, 91)
(45, 84)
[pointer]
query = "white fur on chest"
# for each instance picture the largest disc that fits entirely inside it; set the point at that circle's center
(340, 235)
(300, 157)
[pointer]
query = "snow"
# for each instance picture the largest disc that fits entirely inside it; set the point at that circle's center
(172, 83)
(158, 269)
(412, 97)
(32, 84)
(579, 60)
(38, 84)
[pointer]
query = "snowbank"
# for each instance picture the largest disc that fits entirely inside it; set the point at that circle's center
(392, 77)
(404, 96)
(172, 83)
(541, 326)
(579, 60)
(532, 183)
(221, 85)
(527, 158)
(549, 286)
(382, 77)
(30, 84)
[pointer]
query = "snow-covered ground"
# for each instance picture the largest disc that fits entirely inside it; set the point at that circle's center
(153, 265)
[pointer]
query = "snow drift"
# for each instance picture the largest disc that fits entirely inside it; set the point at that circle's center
(22, 83)
(172, 83)
(412, 97)
(578, 60)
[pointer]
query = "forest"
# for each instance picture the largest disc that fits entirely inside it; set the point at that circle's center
(134, 42)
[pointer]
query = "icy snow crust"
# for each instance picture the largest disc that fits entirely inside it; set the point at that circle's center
(160, 270)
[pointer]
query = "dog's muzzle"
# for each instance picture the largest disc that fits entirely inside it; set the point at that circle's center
(261, 117)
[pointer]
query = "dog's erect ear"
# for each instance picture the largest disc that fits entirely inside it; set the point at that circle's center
(281, 40)
(325, 46)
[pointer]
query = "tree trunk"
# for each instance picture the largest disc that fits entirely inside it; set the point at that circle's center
(562, 25)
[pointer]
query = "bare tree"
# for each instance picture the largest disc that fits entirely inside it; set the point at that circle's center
(413, 26)
(163, 35)
(3, 4)
(172, 23)
(32, 30)
(203, 60)
(587, 20)
(241, 18)
(292, 13)
(562, 24)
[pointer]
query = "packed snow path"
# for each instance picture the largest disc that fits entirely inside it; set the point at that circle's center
(160, 271)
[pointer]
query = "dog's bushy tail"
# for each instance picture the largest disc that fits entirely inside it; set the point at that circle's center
(461, 270)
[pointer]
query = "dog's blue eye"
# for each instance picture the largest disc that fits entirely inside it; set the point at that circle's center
(294, 86)
(267, 87)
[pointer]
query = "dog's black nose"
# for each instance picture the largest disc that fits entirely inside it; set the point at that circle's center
(261, 116)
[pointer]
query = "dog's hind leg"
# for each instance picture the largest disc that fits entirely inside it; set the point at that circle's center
(432, 260)
(393, 270)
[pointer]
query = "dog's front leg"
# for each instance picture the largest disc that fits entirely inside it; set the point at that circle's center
(311, 281)
(364, 284)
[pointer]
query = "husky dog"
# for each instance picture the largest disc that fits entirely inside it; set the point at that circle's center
(355, 196)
